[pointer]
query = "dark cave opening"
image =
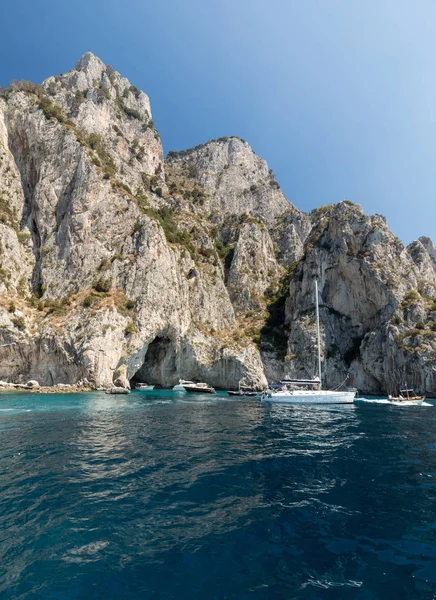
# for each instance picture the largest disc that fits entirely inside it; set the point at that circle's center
(159, 366)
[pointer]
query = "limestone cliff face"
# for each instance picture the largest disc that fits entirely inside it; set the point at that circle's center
(378, 313)
(117, 265)
(96, 269)
(239, 184)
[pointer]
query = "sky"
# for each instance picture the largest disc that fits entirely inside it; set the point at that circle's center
(338, 96)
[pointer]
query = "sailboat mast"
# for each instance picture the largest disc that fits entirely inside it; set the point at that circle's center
(318, 336)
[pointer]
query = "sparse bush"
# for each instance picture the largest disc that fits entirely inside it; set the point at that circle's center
(12, 307)
(206, 252)
(136, 227)
(22, 284)
(88, 301)
(8, 215)
(19, 323)
(95, 142)
(102, 94)
(23, 237)
(53, 111)
(165, 218)
(130, 328)
(225, 252)
(129, 112)
(135, 91)
(80, 97)
(104, 265)
(411, 298)
(103, 285)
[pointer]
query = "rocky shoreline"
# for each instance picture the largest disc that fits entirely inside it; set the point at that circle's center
(34, 387)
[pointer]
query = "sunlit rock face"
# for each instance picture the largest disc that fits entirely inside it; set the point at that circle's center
(117, 265)
(378, 314)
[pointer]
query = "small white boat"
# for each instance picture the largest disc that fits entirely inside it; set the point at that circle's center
(144, 386)
(180, 387)
(201, 388)
(407, 395)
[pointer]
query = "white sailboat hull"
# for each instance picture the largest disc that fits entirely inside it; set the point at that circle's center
(309, 397)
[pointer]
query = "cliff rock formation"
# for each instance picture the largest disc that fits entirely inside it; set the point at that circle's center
(118, 266)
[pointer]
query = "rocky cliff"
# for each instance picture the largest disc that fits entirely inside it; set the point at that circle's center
(117, 265)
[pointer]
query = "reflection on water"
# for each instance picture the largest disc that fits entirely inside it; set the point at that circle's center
(167, 496)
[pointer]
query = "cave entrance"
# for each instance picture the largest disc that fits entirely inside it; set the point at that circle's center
(159, 366)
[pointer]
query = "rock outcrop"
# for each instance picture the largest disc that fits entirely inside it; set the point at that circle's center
(117, 265)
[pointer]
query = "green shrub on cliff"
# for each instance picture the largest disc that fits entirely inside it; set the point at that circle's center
(95, 142)
(225, 252)
(53, 111)
(411, 298)
(130, 328)
(103, 284)
(19, 323)
(8, 215)
(165, 217)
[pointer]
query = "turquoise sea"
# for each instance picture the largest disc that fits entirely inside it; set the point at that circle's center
(158, 495)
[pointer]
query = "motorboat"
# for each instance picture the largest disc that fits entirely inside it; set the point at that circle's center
(180, 386)
(200, 388)
(291, 394)
(407, 395)
(242, 392)
(144, 386)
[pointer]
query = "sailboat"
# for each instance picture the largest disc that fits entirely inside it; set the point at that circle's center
(320, 396)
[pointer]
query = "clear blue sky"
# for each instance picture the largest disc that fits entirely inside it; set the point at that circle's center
(338, 96)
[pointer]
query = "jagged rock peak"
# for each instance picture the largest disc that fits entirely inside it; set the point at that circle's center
(89, 62)
(222, 153)
(91, 79)
(222, 140)
(428, 245)
(238, 179)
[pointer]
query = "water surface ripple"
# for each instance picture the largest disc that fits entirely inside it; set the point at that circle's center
(162, 496)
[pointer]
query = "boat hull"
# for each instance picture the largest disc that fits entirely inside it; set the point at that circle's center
(406, 402)
(309, 397)
(199, 390)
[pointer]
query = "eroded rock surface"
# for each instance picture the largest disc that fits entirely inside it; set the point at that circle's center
(117, 265)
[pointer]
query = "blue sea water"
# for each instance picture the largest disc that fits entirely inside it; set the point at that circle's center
(159, 495)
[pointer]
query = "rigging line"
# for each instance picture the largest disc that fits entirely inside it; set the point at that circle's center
(341, 384)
